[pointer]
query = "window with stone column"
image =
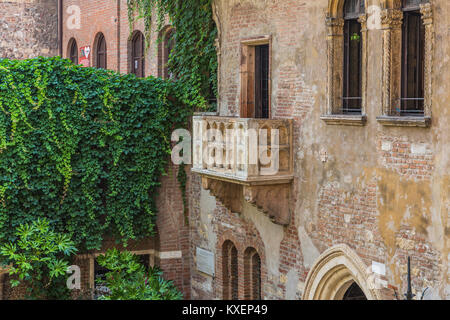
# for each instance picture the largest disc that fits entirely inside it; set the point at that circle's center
(347, 63)
(408, 43)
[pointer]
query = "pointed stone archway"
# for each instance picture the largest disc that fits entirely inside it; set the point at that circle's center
(335, 271)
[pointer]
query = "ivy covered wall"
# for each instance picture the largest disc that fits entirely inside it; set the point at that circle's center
(84, 148)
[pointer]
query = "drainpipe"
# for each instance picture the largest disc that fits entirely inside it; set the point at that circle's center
(60, 27)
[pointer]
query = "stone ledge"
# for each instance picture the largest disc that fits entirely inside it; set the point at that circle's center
(345, 119)
(245, 181)
(399, 121)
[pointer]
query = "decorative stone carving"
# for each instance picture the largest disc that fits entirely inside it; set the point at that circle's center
(335, 270)
(335, 42)
(232, 157)
(427, 17)
(229, 194)
(273, 200)
(392, 20)
(335, 47)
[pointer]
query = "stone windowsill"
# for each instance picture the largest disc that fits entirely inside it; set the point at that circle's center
(404, 121)
(345, 119)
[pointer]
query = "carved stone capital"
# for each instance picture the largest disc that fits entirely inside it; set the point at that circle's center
(335, 26)
(391, 18)
(427, 13)
(363, 21)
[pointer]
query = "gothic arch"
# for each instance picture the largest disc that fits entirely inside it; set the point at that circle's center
(334, 272)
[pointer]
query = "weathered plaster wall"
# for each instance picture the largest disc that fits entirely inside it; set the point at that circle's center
(383, 191)
(28, 28)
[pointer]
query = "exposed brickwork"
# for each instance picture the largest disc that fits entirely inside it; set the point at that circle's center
(370, 188)
(408, 158)
(382, 191)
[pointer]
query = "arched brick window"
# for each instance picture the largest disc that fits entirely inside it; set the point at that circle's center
(165, 48)
(137, 54)
(73, 51)
(100, 52)
(252, 275)
(230, 271)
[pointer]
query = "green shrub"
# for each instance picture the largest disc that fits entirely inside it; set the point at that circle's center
(129, 280)
(39, 258)
(84, 148)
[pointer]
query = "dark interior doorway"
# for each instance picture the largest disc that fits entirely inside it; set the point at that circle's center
(354, 293)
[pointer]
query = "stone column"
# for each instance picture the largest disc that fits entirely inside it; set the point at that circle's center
(335, 40)
(427, 17)
(391, 20)
(363, 21)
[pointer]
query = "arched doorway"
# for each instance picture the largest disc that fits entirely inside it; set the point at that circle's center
(339, 274)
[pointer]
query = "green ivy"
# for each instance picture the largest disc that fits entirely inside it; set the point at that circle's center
(194, 58)
(84, 148)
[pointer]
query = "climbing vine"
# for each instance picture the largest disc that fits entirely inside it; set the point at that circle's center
(194, 58)
(84, 148)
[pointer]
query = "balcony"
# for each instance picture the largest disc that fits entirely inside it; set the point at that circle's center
(252, 158)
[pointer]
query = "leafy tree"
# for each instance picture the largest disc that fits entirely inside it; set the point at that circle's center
(129, 280)
(39, 258)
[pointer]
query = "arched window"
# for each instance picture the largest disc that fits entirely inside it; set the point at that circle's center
(166, 46)
(73, 51)
(101, 52)
(408, 53)
(137, 54)
(252, 275)
(347, 52)
(230, 271)
(352, 86)
(413, 61)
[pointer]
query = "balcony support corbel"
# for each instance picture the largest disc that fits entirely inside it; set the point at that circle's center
(273, 200)
(229, 194)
